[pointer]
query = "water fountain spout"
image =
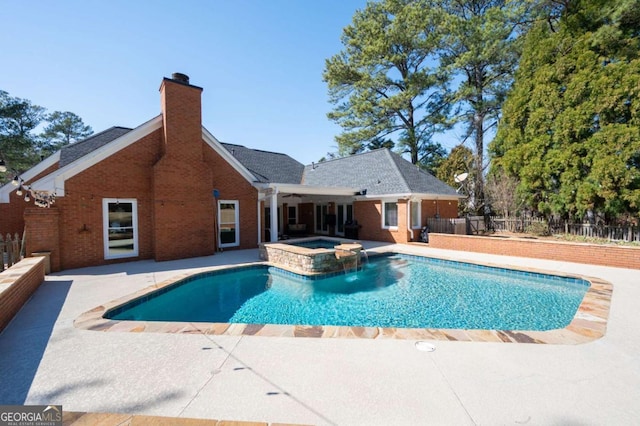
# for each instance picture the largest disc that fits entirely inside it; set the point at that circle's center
(348, 252)
(366, 256)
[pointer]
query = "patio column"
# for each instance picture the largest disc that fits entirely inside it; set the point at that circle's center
(274, 216)
(259, 210)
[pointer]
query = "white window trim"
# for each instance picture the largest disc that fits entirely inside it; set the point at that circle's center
(237, 223)
(105, 226)
(419, 203)
(383, 211)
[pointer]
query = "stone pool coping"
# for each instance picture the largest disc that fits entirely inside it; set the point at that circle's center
(589, 322)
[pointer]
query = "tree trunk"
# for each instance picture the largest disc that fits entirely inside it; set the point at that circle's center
(478, 189)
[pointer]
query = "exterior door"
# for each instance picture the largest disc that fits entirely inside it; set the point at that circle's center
(345, 214)
(321, 219)
(120, 220)
(228, 218)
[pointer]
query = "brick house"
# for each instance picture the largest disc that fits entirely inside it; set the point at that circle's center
(168, 189)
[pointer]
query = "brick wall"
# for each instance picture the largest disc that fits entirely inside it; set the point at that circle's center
(184, 216)
(369, 216)
(17, 284)
(12, 213)
(184, 209)
(126, 174)
(42, 233)
(616, 256)
(233, 186)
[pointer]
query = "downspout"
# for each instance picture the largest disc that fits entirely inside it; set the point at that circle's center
(409, 218)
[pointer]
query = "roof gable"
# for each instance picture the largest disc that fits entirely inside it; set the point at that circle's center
(103, 147)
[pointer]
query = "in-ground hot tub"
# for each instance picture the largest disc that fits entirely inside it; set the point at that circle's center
(315, 255)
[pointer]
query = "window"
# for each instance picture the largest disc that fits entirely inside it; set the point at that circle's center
(390, 214)
(120, 228)
(416, 221)
(228, 219)
(292, 215)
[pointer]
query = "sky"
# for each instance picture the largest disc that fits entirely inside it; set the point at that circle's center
(260, 63)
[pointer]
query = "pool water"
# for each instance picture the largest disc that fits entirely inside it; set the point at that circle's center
(315, 244)
(389, 291)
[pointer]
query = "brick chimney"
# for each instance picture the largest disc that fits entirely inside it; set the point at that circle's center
(181, 107)
(183, 217)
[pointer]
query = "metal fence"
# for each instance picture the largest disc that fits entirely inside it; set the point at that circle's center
(9, 251)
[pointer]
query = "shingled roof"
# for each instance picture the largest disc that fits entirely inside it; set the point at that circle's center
(267, 166)
(74, 151)
(380, 172)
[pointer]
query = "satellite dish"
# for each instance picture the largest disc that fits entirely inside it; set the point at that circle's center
(461, 177)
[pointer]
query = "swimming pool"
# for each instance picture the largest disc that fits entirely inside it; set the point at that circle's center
(390, 291)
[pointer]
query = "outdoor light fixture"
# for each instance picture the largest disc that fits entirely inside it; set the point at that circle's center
(40, 198)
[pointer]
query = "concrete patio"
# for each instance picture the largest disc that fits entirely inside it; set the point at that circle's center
(44, 359)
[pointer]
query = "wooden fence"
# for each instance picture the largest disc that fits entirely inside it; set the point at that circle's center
(476, 225)
(627, 233)
(512, 224)
(10, 252)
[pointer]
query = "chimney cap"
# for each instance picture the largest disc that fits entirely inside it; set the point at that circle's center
(182, 78)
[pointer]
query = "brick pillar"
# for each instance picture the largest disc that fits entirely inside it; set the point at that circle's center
(42, 233)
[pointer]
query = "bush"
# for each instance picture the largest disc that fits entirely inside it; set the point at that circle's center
(539, 229)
